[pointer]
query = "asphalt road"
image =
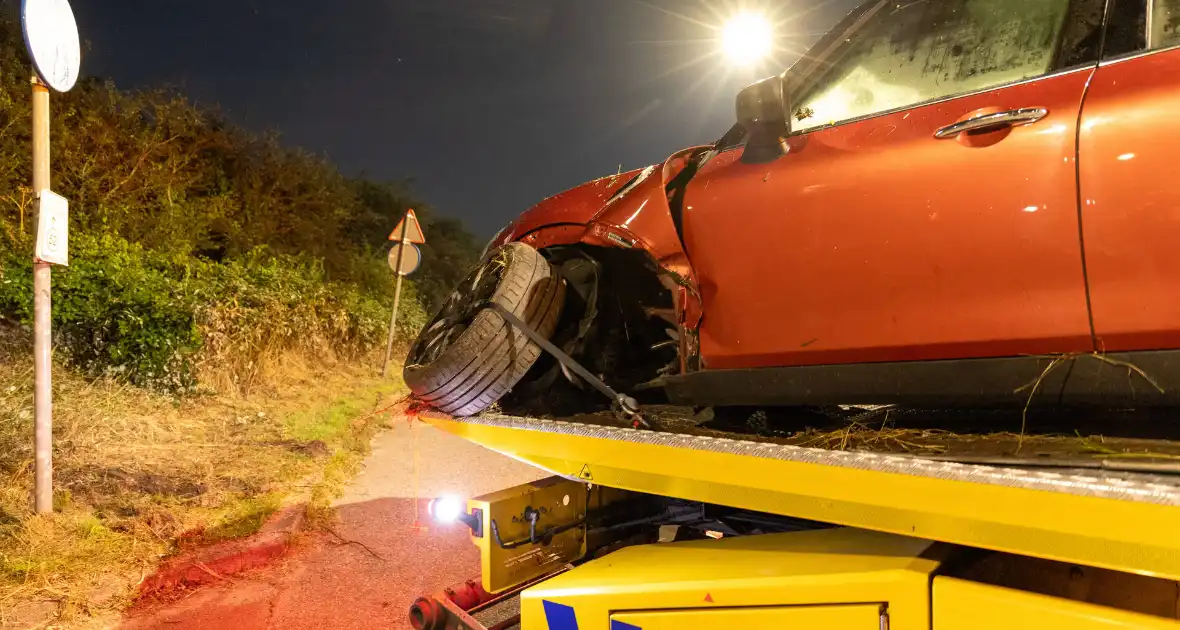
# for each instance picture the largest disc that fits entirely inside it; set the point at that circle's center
(325, 583)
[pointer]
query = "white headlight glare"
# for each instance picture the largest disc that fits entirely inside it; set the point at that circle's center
(447, 509)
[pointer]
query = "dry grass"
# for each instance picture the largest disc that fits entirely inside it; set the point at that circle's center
(1097, 445)
(884, 437)
(1059, 360)
(877, 435)
(245, 348)
(857, 437)
(137, 471)
(968, 435)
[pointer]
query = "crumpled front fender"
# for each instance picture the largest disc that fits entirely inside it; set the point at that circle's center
(629, 211)
(626, 211)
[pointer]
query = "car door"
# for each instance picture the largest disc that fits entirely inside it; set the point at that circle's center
(888, 233)
(1130, 193)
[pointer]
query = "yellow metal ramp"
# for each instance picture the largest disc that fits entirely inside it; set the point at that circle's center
(1121, 521)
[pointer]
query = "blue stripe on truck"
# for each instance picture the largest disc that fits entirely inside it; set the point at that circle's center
(559, 616)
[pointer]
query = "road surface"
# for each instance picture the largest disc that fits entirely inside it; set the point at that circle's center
(327, 584)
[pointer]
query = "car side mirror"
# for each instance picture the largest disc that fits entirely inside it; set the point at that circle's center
(763, 110)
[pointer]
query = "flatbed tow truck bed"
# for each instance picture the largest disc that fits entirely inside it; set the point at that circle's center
(1052, 500)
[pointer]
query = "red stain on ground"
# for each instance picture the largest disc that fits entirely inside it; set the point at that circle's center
(326, 583)
(200, 564)
(209, 566)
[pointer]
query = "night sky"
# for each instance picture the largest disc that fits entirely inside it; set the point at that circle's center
(488, 105)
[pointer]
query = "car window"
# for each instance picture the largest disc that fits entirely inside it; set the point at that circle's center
(1164, 22)
(913, 51)
(1139, 25)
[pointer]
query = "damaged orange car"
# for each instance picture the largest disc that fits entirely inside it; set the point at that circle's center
(941, 203)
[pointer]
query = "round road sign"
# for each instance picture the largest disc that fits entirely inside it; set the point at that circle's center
(411, 259)
(51, 35)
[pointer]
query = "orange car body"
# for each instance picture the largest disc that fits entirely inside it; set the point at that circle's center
(871, 241)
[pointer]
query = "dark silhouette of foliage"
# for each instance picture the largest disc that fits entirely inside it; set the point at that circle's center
(182, 222)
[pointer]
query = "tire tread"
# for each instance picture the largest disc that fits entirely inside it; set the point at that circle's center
(491, 356)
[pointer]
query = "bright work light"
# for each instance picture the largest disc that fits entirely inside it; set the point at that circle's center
(449, 509)
(446, 509)
(747, 39)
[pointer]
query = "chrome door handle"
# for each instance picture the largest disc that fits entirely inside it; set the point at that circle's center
(1010, 118)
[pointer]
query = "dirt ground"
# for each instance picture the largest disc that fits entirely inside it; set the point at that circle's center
(371, 580)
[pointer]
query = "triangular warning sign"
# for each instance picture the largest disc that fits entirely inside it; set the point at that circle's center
(709, 597)
(586, 474)
(412, 230)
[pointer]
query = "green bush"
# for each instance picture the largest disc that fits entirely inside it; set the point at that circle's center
(159, 320)
(118, 309)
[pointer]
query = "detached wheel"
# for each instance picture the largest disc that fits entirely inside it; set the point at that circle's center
(468, 357)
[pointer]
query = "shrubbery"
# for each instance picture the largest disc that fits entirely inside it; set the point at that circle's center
(200, 251)
(162, 320)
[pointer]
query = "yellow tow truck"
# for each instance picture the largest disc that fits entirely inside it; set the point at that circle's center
(782, 536)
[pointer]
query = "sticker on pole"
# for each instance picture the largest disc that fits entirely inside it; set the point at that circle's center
(53, 229)
(408, 229)
(405, 258)
(51, 35)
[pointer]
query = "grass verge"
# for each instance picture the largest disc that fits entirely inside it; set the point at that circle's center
(140, 475)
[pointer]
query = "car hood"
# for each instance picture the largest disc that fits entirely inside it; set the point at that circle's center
(617, 200)
(576, 206)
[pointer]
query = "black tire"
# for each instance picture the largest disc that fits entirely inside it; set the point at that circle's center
(468, 357)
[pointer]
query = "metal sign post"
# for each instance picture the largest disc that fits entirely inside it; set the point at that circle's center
(42, 332)
(404, 259)
(51, 37)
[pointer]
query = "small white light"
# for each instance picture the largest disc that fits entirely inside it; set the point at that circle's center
(447, 509)
(1127, 156)
(747, 38)
(1031, 208)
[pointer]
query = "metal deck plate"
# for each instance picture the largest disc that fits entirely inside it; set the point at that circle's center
(1122, 521)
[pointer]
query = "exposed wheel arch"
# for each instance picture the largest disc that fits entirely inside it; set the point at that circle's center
(618, 322)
